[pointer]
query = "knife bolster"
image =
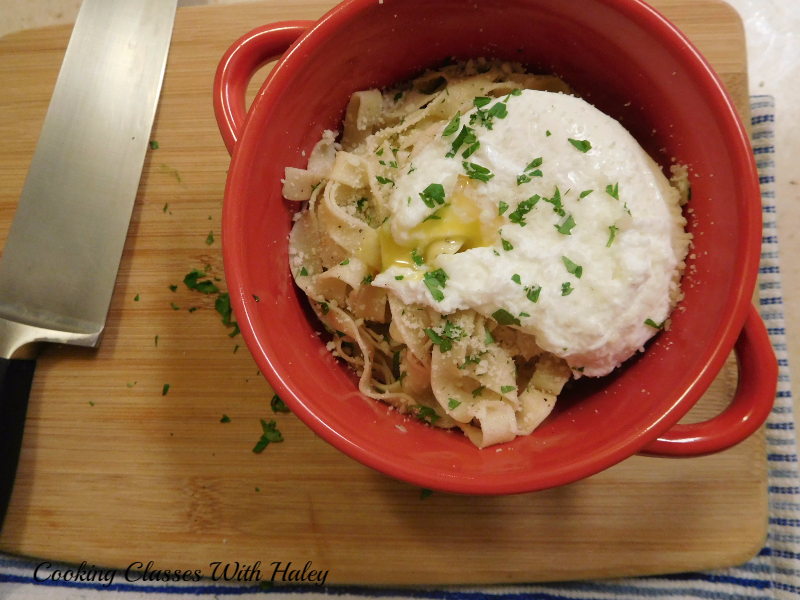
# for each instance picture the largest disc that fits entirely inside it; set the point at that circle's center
(18, 340)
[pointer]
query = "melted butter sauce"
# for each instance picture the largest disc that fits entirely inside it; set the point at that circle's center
(458, 228)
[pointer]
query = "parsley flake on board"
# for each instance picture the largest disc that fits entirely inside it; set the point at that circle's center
(433, 195)
(572, 267)
(516, 279)
(418, 260)
(385, 180)
(654, 325)
(192, 309)
(501, 208)
(154, 145)
(613, 190)
(277, 405)
(136, 298)
(174, 306)
(507, 388)
(210, 238)
(165, 389)
(582, 145)
(206, 286)
(173, 288)
(453, 126)
(425, 493)
(533, 293)
(584, 194)
(270, 435)
(506, 245)
(156, 341)
(435, 280)
(453, 404)
(504, 317)
(225, 419)
(523, 208)
(613, 229)
(566, 227)
(166, 206)
(566, 289)
(236, 348)
(477, 172)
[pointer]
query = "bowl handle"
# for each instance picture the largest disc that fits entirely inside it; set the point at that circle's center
(246, 56)
(758, 382)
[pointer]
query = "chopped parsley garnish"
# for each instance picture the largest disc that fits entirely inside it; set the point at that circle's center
(434, 216)
(435, 280)
(432, 195)
(516, 92)
(566, 289)
(136, 298)
(303, 272)
(478, 391)
(418, 260)
(547, 133)
(582, 145)
(173, 287)
(507, 245)
(471, 150)
(507, 388)
(477, 172)
(613, 229)
(556, 202)
(482, 101)
(210, 238)
(345, 262)
(367, 280)
(585, 193)
(154, 145)
(165, 389)
(471, 360)
(384, 180)
(516, 279)
(426, 414)
(489, 339)
(206, 286)
(504, 317)
(225, 419)
(533, 293)
(425, 494)
(465, 136)
(572, 267)
(626, 209)
(277, 405)
(484, 117)
(174, 306)
(523, 208)
(399, 277)
(502, 207)
(325, 307)
(530, 171)
(450, 333)
(613, 190)
(270, 435)
(360, 204)
(380, 151)
(397, 96)
(393, 164)
(524, 314)
(453, 403)
(566, 227)
(654, 325)
(453, 126)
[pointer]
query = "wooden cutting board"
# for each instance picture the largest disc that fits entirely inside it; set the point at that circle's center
(113, 472)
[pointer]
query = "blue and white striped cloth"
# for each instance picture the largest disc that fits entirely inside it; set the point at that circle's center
(773, 574)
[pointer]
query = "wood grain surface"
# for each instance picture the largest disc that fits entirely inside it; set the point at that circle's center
(113, 472)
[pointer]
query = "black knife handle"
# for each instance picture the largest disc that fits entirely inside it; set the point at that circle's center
(16, 377)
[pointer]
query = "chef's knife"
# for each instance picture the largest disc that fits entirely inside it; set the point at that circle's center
(59, 265)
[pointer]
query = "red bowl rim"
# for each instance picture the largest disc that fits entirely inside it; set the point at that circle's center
(233, 252)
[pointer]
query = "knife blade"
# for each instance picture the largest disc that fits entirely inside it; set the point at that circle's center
(60, 262)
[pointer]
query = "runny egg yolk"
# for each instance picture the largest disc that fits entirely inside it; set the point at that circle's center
(456, 226)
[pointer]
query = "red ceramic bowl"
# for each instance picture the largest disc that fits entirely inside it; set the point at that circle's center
(630, 62)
